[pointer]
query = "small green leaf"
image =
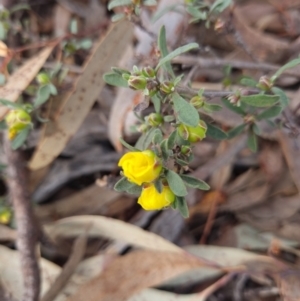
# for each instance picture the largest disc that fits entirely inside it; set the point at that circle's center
(289, 65)
(176, 184)
(220, 5)
(270, 113)
(169, 118)
(43, 95)
(283, 99)
(158, 186)
(215, 133)
(156, 102)
(116, 3)
(158, 137)
(252, 141)
(187, 114)
(53, 90)
(175, 53)
(172, 139)
(260, 100)
(160, 12)
(256, 129)
(10, 104)
(115, 79)
(123, 185)
(3, 31)
(249, 82)
(165, 152)
(117, 17)
(163, 48)
(150, 3)
(128, 146)
(194, 182)
(181, 162)
(20, 138)
(210, 108)
(135, 189)
(149, 137)
(233, 108)
(182, 207)
(236, 131)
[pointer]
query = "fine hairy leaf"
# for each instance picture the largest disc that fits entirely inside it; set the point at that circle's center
(260, 100)
(283, 99)
(123, 185)
(128, 146)
(175, 53)
(172, 139)
(180, 204)
(252, 141)
(236, 131)
(288, 65)
(176, 183)
(215, 133)
(115, 79)
(20, 138)
(187, 114)
(194, 182)
(233, 108)
(270, 113)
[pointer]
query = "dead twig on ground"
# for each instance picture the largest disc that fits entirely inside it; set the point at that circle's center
(26, 226)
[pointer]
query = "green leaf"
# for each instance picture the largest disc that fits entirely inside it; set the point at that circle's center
(3, 31)
(43, 95)
(169, 118)
(187, 114)
(233, 108)
(116, 3)
(194, 182)
(284, 100)
(123, 185)
(220, 5)
(117, 17)
(165, 152)
(10, 104)
(158, 137)
(210, 108)
(215, 133)
(175, 53)
(156, 102)
(146, 139)
(115, 79)
(182, 207)
(53, 90)
(260, 100)
(150, 3)
(252, 141)
(196, 14)
(176, 184)
(289, 65)
(163, 48)
(181, 162)
(172, 139)
(236, 131)
(158, 186)
(270, 113)
(20, 138)
(128, 146)
(256, 129)
(135, 189)
(249, 82)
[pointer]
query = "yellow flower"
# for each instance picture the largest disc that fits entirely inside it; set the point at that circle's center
(140, 167)
(151, 199)
(17, 120)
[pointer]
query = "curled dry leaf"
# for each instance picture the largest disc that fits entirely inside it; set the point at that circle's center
(130, 274)
(79, 101)
(101, 226)
(22, 77)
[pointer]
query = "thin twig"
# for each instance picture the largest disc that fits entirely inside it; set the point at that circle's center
(26, 226)
(68, 269)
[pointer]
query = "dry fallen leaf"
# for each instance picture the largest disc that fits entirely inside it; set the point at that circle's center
(130, 274)
(22, 77)
(79, 101)
(110, 228)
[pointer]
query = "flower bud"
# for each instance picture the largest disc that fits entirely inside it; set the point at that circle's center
(197, 101)
(185, 150)
(137, 82)
(143, 128)
(43, 78)
(17, 120)
(167, 87)
(235, 99)
(265, 83)
(155, 119)
(193, 134)
(148, 72)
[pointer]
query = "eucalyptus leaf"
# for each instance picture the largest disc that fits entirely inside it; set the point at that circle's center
(175, 53)
(236, 131)
(283, 99)
(176, 183)
(194, 182)
(215, 132)
(115, 79)
(182, 207)
(187, 114)
(269, 113)
(260, 100)
(20, 139)
(116, 3)
(288, 65)
(128, 146)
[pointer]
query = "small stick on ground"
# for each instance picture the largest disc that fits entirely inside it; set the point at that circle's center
(26, 226)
